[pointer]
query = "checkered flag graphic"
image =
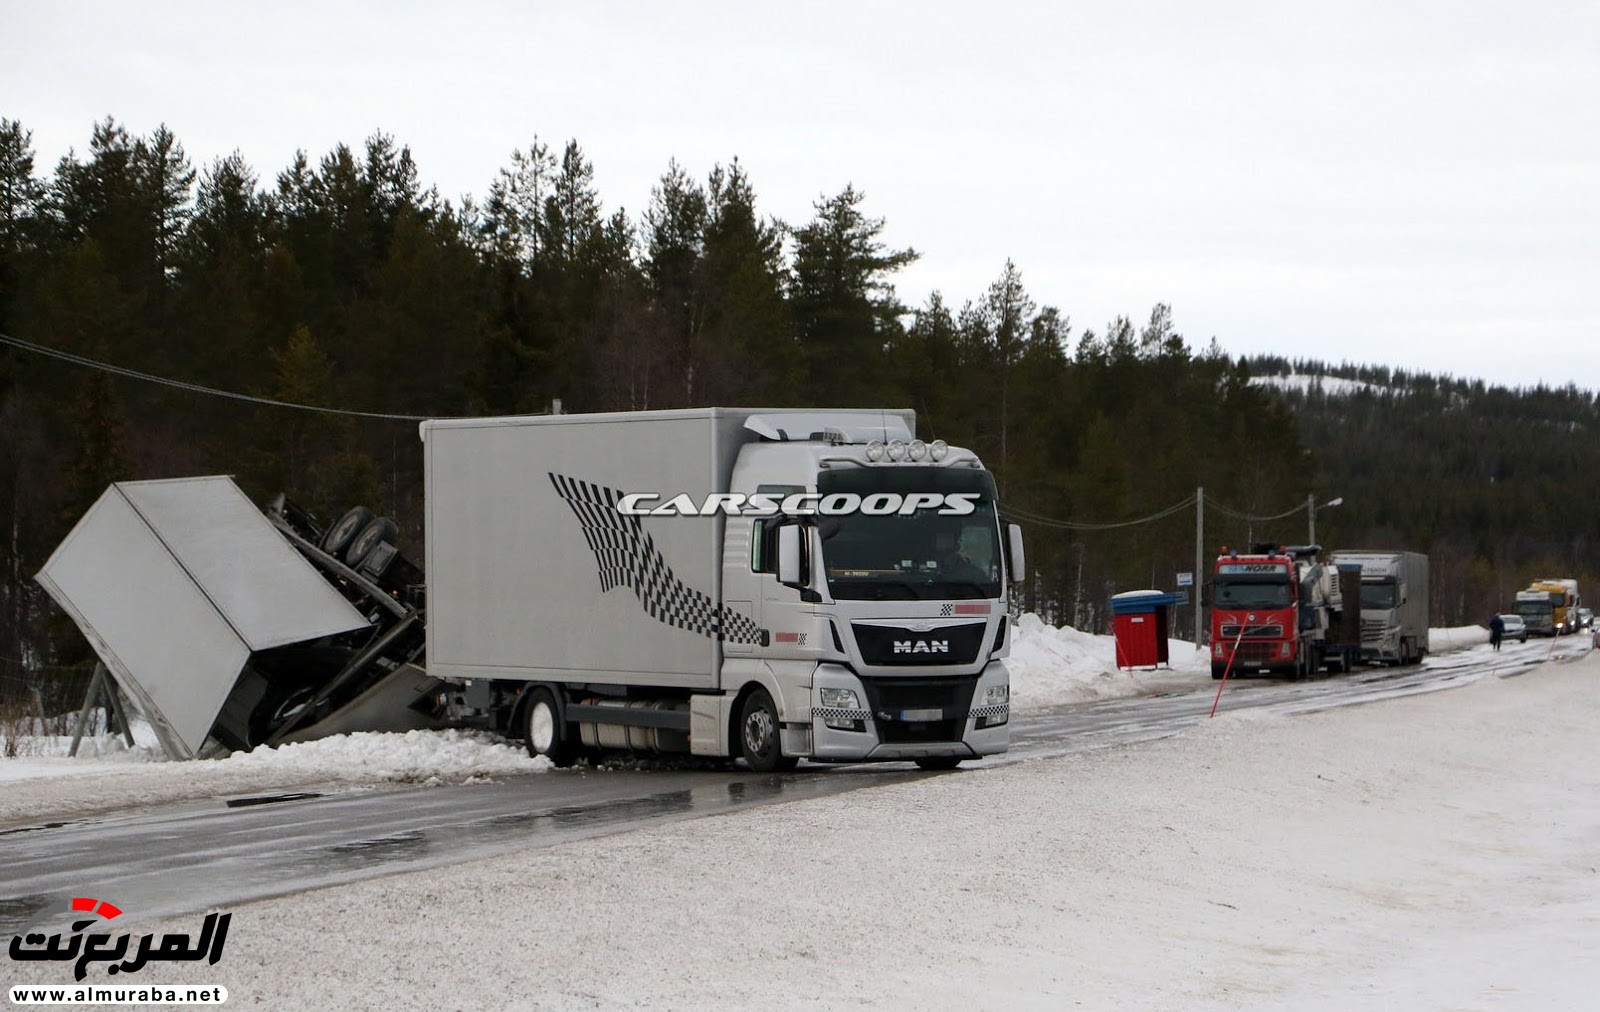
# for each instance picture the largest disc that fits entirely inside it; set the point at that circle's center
(627, 557)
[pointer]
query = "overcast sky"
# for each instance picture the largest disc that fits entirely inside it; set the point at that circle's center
(1411, 184)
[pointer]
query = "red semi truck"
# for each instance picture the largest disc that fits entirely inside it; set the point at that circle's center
(1280, 611)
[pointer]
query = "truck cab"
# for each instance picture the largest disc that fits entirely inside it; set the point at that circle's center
(886, 626)
(1537, 610)
(1280, 611)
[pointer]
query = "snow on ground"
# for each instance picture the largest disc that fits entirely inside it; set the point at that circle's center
(1333, 386)
(54, 785)
(1456, 638)
(1435, 851)
(1050, 667)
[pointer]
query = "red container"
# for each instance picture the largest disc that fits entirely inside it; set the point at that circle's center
(1139, 626)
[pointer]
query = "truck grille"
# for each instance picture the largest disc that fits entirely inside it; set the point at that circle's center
(941, 704)
(1372, 628)
(1230, 632)
(892, 645)
(1256, 653)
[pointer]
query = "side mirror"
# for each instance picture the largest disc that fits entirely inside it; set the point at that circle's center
(1019, 562)
(789, 568)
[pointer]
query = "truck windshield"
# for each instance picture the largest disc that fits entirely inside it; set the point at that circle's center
(1232, 592)
(1379, 595)
(1533, 609)
(918, 556)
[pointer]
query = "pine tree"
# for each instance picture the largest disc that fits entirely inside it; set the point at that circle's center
(845, 310)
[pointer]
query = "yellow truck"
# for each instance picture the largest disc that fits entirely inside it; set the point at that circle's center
(1563, 595)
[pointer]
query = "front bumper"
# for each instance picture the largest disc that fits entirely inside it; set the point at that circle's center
(864, 738)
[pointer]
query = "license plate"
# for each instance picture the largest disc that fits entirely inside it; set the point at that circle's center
(935, 714)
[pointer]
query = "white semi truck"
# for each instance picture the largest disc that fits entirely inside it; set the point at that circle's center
(1394, 604)
(765, 584)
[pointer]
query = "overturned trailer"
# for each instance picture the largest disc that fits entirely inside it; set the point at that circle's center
(225, 622)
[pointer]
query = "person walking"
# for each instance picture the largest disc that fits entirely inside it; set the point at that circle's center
(1497, 629)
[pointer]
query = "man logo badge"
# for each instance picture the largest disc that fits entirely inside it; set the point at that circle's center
(921, 646)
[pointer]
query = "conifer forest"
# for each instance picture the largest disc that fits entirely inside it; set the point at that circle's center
(339, 299)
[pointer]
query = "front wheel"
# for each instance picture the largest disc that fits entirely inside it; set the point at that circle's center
(543, 730)
(759, 740)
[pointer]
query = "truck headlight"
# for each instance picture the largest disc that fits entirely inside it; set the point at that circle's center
(996, 694)
(841, 699)
(1283, 651)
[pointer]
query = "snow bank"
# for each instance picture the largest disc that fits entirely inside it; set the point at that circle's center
(1053, 666)
(411, 757)
(56, 786)
(1456, 638)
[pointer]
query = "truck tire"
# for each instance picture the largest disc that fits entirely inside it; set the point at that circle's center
(759, 741)
(345, 531)
(379, 531)
(543, 731)
(1218, 671)
(939, 762)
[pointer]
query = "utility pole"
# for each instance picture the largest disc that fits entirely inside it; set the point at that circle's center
(1311, 515)
(1199, 543)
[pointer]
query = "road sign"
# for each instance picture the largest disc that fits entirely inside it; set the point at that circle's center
(1186, 579)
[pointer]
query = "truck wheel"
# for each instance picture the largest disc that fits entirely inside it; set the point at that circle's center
(759, 741)
(1218, 670)
(382, 530)
(542, 729)
(345, 531)
(939, 762)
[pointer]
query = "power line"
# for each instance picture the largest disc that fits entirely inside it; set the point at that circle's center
(1237, 515)
(1023, 516)
(117, 370)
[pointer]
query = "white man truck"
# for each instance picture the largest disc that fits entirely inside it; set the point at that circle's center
(766, 584)
(1394, 604)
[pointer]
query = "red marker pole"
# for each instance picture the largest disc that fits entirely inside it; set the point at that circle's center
(1227, 671)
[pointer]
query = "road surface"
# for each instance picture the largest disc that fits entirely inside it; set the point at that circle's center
(202, 855)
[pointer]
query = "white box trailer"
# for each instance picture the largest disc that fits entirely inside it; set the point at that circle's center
(1394, 604)
(577, 595)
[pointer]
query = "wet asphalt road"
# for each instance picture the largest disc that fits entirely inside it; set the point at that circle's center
(203, 855)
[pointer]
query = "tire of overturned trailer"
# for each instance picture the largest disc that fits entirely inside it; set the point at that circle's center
(543, 730)
(345, 530)
(376, 532)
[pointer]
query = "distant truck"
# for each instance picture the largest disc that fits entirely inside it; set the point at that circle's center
(1564, 602)
(771, 585)
(1282, 611)
(1537, 611)
(1394, 604)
